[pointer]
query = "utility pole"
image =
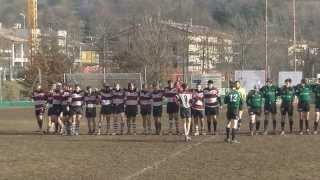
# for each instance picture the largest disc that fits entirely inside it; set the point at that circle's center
(294, 35)
(266, 41)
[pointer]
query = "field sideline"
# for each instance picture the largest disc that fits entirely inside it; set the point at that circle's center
(27, 155)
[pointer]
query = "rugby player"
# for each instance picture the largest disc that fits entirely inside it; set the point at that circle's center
(303, 91)
(131, 107)
(316, 91)
(118, 106)
(40, 99)
(157, 98)
(106, 110)
(57, 108)
(212, 102)
(198, 109)
(270, 93)
(66, 109)
(254, 104)
(77, 99)
(185, 99)
(145, 101)
(170, 94)
(91, 100)
(242, 92)
(233, 100)
(51, 123)
(287, 95)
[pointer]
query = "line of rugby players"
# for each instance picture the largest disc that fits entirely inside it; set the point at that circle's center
(119, 108)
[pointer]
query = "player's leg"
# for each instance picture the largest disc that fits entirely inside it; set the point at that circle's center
(209, 119)
(252, 122)
(170, 115)
(301, 117)
(228, 126)
(148, 119)
(234, 130)
(123, 121)
(258, 120)
(144, 123)
(94, 115)
(215, 124)
(274, 116)
(316, 122)
(101, 119)
(202, 124)
(240, 118)
(176, 119)
(108, 120)
(188, 127)
(266, 118)
(78, 120)
(284, 112)
(307, 114)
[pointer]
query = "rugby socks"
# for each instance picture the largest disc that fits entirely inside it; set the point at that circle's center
(291, 124)
(215, 123)
(258, 125)
(177, 126)
(115, 125)
(233, 134)
(251, 126)
(301, 125)
(282, 123)
(239, 123)
(134, 126)
(274, 123)
(209, 126)
(316, 123)
(77, 129)
(73, 129)
(307, 124)
(149, 124)
(266, 122)
(228, 133)
(121, 128)
(129, 125)
(108, 126)
(170, 125)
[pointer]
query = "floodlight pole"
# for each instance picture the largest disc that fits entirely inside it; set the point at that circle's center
(294, 35)
(266, 40)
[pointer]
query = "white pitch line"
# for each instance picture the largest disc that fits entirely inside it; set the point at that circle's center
(158, 163)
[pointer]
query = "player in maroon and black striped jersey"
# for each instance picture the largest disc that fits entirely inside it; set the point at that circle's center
(145, 101)
(131, 106)
(77, 102)
(106, 110)
(170, 94)
(57, 107)
(118, 106)
(51, 123)
(212, 103)
(157, 98)
(40, 99)
(91, 99)
(66, 118)
(198, 109)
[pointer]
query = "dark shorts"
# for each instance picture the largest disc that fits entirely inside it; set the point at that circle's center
(65, 111)
(40, 112)
(197, 113)
(240, 107)
(57, 109)
(118, 109)
(287, 108)
(50, 111)
(145, 110)
(212, 111)
(157, 111)
(232, 114)
(106, 110)
(131, 111)
(76, 110)
(270, 108)
(255, 111)
(172, 108)
(91, 112)
(303, 107)
(185, 113)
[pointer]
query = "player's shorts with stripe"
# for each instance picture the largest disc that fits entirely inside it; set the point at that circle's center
(118, 109)
(131, 111)
(40, 112)
(304, 107)
(76, 110)
(197, 113)
(157, 111)
(212, 111)
(185, 113)
(145, 110)
(65, 111)
(287, 108)
(57, 109)
(232, 114)
(254, 111)
(106, 110)
(91, 112)
(270, 108)
(172, 108)
(50, 111)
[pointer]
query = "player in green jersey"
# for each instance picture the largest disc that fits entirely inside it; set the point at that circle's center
(269, 93)
(316, 91)
(254, 103)
(287, 98)
(303, 91)
(233, 100)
